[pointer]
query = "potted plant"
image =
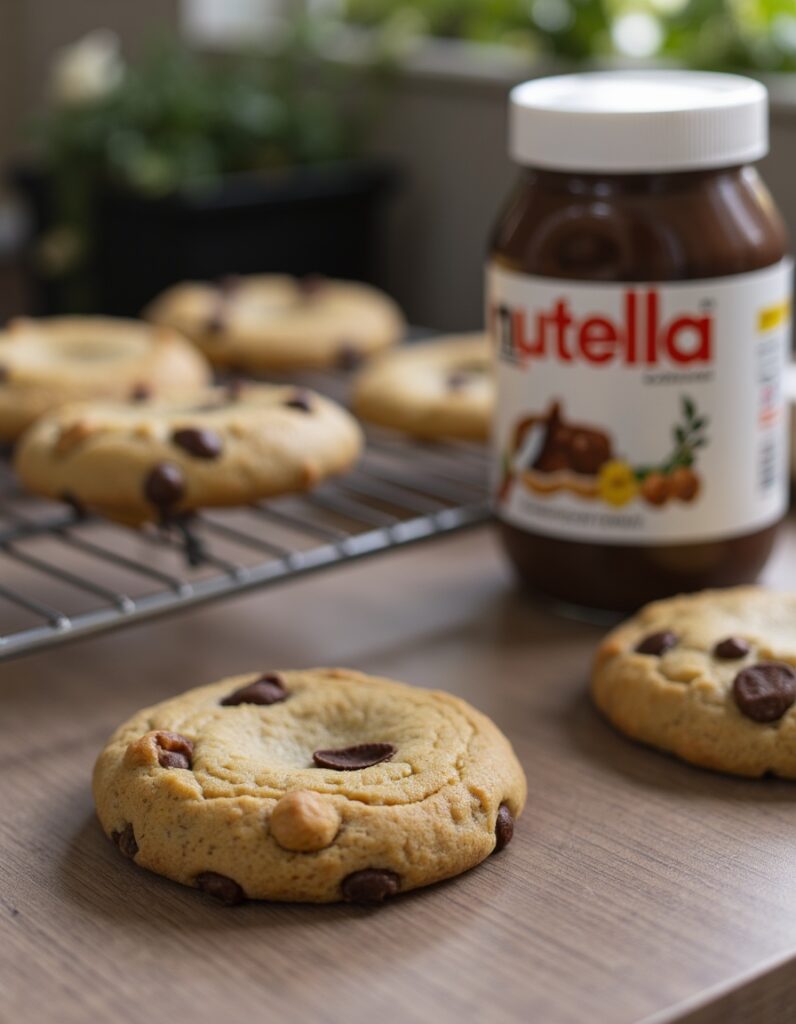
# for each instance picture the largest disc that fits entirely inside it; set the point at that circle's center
(179, 167)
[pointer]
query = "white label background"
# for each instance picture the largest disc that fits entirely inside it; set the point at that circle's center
(640, 417)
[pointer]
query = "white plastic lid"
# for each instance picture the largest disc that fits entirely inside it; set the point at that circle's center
(637, 121)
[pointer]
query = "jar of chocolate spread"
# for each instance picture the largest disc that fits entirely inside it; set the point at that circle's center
(638, 298)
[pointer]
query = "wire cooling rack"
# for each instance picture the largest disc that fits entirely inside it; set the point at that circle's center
(63, 575)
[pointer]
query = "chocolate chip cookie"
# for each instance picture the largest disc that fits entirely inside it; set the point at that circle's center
(158, 461)
(47, 362)
(710, 677)
(441, 388)
(315, 785)
(269, 322)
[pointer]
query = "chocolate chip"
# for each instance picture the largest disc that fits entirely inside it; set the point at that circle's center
(658, 643)
(300, 401)
(125, 841)
(225, 287)
(183, 525)
(764, 692)
(349, 759)
(141, 393)
(731, 648)
(228, 283)
(164, 485)
(370, 886)
(75, 504)
(234, 388)
(504, 828)
(173, 759)
(458, 380)
(349, 357)
(310, 284)
(199, 442)
(174, 751)
(3, 374)
(220, 887)
(268, 689)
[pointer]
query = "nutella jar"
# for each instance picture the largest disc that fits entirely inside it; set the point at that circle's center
(639, 301)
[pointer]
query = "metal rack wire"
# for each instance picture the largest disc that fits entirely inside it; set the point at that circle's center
(63, 575)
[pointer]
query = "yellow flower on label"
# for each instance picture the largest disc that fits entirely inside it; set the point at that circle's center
(617, 484)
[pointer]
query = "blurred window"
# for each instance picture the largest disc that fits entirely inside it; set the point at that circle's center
(233, 23)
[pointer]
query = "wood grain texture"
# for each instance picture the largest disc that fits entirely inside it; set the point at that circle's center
(636, 888)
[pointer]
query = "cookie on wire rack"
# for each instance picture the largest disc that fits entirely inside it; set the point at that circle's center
(434, 389)
(159, 461)
(273, 322)
(47, 362)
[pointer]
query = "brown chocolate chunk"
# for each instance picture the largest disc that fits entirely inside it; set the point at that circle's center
(504, 828)
(174, 751)
(75, 504)
(268, 689)
(310, 284)
(731, 648)
(164, 485)
(220, 887)
(349, 357)
(215, 322)
(301, 401)
(349, 759)
(764, 692)
(458, 380)
(658, 643)
(3, 374)
(199, 442)
(173, 759)
(373, 885)
(226, 286)
(125, 841)
(141, 393)
(234, 389)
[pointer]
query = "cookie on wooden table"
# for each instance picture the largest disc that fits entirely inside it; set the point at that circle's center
(267, 322)
(434, 389)
(47, 362)
(316, 785)
(159, 461)
(710, 677)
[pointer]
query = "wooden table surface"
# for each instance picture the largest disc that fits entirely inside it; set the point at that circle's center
(636, 888)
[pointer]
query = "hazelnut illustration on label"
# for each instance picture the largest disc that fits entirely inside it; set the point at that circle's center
(548, 455)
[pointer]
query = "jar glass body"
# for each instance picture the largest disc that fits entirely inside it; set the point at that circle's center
(651, 228)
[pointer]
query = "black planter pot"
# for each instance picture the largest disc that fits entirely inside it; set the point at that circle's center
(310, 220)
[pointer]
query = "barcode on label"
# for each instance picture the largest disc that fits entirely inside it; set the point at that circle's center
(767, 465)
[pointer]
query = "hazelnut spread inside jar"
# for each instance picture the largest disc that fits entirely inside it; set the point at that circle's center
(639, 300)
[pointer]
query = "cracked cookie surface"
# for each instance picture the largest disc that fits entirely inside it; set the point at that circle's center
(247, 802)
(47, 362)
(710, 677)
(134, 463)
(441, 388)
(263, 322)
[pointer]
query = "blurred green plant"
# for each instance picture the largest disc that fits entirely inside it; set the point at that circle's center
(571, 29)
(719, 34)
(174, 121)
(754, 35)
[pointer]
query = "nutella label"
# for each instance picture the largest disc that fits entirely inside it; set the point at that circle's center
(641, 413)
